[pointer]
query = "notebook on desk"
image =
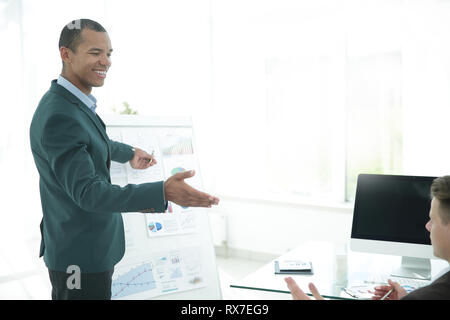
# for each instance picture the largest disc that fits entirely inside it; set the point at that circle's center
(293, 267)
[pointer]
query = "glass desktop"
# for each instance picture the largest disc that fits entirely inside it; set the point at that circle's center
(336, 271)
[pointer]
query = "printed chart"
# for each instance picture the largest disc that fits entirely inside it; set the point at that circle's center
(161, 273)
(137, 280)
(163, 252)
(170, 224)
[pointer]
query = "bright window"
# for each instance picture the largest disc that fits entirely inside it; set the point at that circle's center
(309, 94)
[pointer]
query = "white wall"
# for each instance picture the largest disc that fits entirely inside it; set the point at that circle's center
(272, 227)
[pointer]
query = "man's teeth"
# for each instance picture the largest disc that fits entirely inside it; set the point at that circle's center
(101, 72)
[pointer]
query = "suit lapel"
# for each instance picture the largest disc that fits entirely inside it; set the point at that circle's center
(98, 123)
(100, 126)
(107, 139)
(94, 117)
(101, 121)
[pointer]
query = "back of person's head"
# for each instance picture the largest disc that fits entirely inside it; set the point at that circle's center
(71, 33)
(440, 189)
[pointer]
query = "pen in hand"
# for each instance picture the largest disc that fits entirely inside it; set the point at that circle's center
(151, 159)
(387, 294)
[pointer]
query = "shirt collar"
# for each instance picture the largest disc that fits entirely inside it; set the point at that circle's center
(90, 101)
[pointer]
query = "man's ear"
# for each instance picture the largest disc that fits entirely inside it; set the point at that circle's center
(66, 54)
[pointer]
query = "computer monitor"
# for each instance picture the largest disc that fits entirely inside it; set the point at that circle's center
(389, 217)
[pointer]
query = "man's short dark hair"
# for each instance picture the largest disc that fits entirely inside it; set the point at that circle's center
(71, 33)
(440, 189)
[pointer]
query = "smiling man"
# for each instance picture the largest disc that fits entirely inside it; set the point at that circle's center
(82, 227)
(86, 55)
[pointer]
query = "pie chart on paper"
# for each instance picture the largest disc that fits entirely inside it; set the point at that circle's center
(154, 226)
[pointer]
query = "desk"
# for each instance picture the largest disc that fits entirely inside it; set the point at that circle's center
(333, 269)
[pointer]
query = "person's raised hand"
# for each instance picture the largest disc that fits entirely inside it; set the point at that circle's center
(142, 160)
(381, 291)
(298, 294)
(178, 191)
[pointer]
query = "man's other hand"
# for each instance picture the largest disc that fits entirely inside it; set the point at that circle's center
(298, 294)
(142, 160)
(179, 192)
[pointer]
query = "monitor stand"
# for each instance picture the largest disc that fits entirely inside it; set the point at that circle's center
(416, 268)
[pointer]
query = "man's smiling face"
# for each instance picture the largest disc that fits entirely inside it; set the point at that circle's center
(88, 65)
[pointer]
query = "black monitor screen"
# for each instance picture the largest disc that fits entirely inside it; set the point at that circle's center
(392, 208)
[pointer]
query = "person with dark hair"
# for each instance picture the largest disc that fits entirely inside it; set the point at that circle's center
(439, 228)
(71, 33)
(82, 227)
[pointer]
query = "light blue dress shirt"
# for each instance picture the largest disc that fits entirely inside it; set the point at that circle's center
(89, 100)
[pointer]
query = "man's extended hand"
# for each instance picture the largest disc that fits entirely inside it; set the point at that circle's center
(142, 160)
(179, 192)
(298, 293)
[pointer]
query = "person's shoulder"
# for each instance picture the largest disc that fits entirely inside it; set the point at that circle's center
(438, 290)
(54, 102)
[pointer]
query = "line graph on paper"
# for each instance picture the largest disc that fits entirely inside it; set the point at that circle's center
(136, 280)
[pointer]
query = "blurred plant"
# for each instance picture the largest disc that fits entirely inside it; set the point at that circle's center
(126, 110)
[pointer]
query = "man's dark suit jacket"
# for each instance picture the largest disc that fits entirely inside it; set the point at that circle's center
(438, 290)
(82, 222)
